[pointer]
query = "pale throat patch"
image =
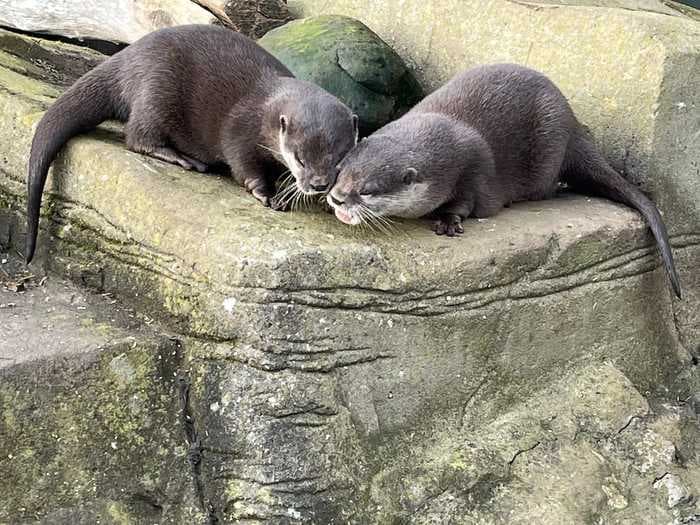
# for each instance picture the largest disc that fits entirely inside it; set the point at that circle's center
(288, 156)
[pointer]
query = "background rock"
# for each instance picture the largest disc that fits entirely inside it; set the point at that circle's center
(347, 59)
(128, 21)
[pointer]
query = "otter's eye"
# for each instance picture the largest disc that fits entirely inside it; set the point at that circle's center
(296, 157)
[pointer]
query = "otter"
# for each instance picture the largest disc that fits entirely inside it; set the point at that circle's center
(493, 135)
(196, 96)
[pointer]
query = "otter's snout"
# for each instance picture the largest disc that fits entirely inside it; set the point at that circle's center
(344, 207)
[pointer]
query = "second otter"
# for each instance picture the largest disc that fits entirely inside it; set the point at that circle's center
(491, 136)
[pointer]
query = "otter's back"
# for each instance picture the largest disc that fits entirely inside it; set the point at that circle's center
(509, 105)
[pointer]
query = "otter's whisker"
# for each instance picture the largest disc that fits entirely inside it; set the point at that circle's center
(388, 224)
(365, 218)
(373, 218)
(270, 150)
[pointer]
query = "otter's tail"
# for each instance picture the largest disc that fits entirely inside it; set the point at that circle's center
(586, 171)
(82, 107)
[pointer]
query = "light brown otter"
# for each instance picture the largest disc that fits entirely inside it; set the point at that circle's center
(491, 136)
(196, 96)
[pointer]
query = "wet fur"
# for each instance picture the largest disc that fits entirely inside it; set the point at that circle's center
(196, 96)
(492, 136)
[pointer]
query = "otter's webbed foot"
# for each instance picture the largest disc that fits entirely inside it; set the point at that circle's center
(448, 224)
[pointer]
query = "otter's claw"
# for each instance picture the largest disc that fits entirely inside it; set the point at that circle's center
(279, 204)
(450, 225)
(262, 197)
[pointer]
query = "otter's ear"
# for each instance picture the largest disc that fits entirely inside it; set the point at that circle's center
(283, 123)
(356, 126)
(410, 176)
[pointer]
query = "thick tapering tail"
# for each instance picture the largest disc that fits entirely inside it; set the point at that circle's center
(587, 171)
(83, 106)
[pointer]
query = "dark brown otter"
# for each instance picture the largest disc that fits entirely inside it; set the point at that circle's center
(491, 136)
(200, 95)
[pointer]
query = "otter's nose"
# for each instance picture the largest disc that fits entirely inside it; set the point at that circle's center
(319, 187)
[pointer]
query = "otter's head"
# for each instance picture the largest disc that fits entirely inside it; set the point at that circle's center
(381, 176)
(314, 136)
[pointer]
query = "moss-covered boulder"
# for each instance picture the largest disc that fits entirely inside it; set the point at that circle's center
(345, 57)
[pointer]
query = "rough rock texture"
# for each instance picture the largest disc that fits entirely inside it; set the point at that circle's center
(97, 19)
(343, 56)
(343, 376)
(90, 413)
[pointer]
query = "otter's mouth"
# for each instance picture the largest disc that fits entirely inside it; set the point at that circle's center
(345, 217)
(342, 213)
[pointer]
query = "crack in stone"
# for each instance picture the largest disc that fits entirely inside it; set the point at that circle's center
(629, 422)
(523, 451)
(194, 455)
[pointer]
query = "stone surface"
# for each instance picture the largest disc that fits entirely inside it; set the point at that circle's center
(96, 19)
(90, 411)
(343, 56)
(340, 375)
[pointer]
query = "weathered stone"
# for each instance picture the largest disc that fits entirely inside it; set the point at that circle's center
(343, 56)
(54, 62)
(90, 416)
(96, 19)
(343, 376)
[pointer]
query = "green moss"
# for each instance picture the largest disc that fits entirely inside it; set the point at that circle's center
(347, 59)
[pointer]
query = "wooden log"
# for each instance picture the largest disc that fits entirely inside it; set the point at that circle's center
(254, 17)
(128, 20)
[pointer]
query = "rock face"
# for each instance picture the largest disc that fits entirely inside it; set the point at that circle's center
(112, 21)
(126, 22)
(343, 56)
(298, 370)
(91, 412)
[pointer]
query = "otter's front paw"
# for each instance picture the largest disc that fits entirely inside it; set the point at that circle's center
(263, 197)
(448, 224)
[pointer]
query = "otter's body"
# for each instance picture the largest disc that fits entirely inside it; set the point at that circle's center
(196, 96)
(491, 136)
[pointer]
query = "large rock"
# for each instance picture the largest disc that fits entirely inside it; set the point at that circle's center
(344, 57)
(346, 376)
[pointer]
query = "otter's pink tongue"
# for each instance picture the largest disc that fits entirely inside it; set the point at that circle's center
(343, 216)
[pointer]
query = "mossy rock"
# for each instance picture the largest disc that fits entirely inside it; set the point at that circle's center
(345, 57)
